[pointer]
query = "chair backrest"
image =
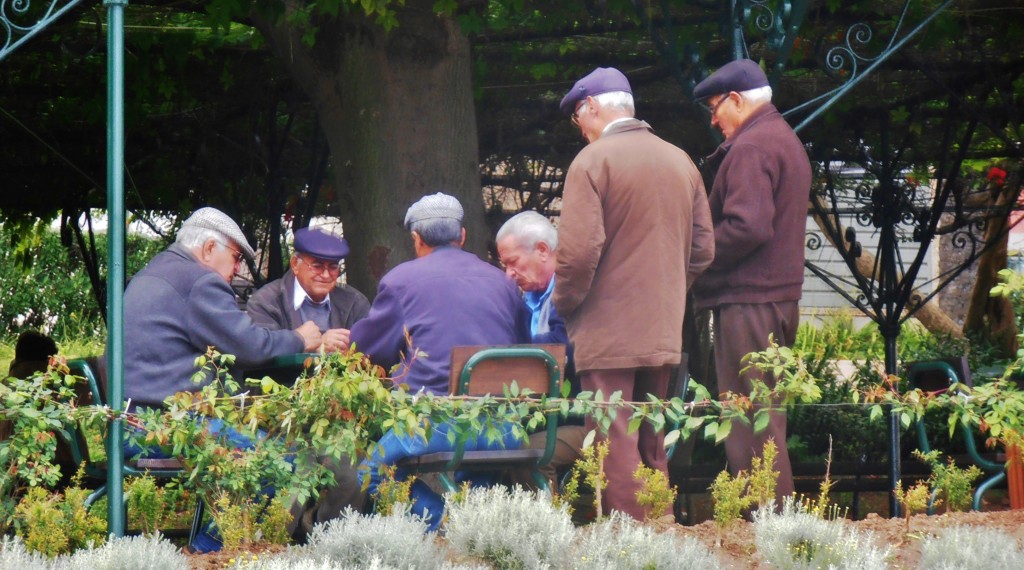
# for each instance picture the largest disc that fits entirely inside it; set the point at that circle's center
(479, 370)
(937, 375)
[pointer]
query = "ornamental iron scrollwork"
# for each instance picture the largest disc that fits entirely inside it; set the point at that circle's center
(21, 19)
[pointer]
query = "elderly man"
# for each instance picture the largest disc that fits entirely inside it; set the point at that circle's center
(444, 298)
(759, 209)
(309, 291)
(635, 231)
(526, 247)
(182, 302)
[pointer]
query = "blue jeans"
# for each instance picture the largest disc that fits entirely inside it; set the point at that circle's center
(395, 446)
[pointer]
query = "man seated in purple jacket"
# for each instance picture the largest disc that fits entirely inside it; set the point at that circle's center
(445, 297)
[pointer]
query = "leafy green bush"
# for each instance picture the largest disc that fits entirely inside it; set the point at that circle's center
(46, 286)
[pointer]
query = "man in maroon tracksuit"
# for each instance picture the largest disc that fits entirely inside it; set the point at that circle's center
(759, 209)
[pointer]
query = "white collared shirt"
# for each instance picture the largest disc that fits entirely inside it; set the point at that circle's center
(299, 295)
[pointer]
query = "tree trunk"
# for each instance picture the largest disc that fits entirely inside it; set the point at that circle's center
(398, 113)
(993, 318)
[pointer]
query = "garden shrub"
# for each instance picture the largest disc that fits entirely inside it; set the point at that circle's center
(962, 547)
(799, 540)
(620, 542)
(399, 540)
(510, 529)
(150, 552)
(127, 553)
(14, 554)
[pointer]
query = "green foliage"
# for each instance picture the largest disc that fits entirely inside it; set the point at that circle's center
(392, 494)
(145, 499)
(38, 409)
(913, 500)
(763, 476)
(656, 495)
(53, 524)
(36, 294)
(589, 471)
(729, 494)
(950, 481)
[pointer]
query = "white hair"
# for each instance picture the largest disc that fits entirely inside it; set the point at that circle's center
(618, 100)
(192, 237)
(757, 95)
(529, 228)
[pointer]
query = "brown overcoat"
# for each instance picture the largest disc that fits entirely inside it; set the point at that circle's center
(634, 232)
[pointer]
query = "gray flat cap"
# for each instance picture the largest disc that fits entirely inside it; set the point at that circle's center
(214, 219)
(434, 207)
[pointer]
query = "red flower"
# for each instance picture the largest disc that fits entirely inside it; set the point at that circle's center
(996, 175)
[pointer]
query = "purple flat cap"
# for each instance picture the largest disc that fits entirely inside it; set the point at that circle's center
(739, 75)
(320, 244)
(601, 80)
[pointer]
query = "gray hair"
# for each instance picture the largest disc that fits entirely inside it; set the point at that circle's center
(618, 100)
(192, 237)
(437, 231)
(757, 95)
(529, 228)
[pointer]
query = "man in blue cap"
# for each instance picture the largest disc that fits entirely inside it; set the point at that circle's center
(635, 231)
(310, 291)
(759, 208)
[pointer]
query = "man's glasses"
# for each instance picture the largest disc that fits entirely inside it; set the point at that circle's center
(576, 114)
(712, 109)
(237, 254)
(318, 266)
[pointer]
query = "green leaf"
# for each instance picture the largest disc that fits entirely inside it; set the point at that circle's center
(723, 431)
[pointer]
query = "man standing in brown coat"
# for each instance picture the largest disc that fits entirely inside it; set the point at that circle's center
(759, 206)
(634, 232)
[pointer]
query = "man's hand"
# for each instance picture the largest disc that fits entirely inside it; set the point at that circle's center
(310, 334)
(336, 340)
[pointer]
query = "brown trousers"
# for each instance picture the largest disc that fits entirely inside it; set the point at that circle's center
(628, 450)
(740, 329)
(568, 444)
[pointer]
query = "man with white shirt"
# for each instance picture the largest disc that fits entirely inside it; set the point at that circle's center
(310, 291)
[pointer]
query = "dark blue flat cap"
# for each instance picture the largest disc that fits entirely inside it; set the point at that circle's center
(601, 80)
(739, 75)
(320, 244)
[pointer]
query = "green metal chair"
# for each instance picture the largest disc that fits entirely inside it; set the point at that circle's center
(163, 469)
(481, 370)
(939, 375)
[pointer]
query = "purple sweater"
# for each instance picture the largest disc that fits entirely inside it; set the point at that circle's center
(447, 298)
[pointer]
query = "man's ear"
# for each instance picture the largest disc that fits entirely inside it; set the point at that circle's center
(462, 241)
(209, 246)
(544, 249)
(294, 262)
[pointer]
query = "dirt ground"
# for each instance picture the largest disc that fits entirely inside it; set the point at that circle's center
(737, 551)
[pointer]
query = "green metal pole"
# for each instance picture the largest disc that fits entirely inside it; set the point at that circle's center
(115, 269)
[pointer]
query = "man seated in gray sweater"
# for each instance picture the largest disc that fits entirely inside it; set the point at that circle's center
(182, 302)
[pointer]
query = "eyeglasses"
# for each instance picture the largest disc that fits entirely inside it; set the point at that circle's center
(712, 109)
(237, 254)
(318, 266)
(576, 114)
